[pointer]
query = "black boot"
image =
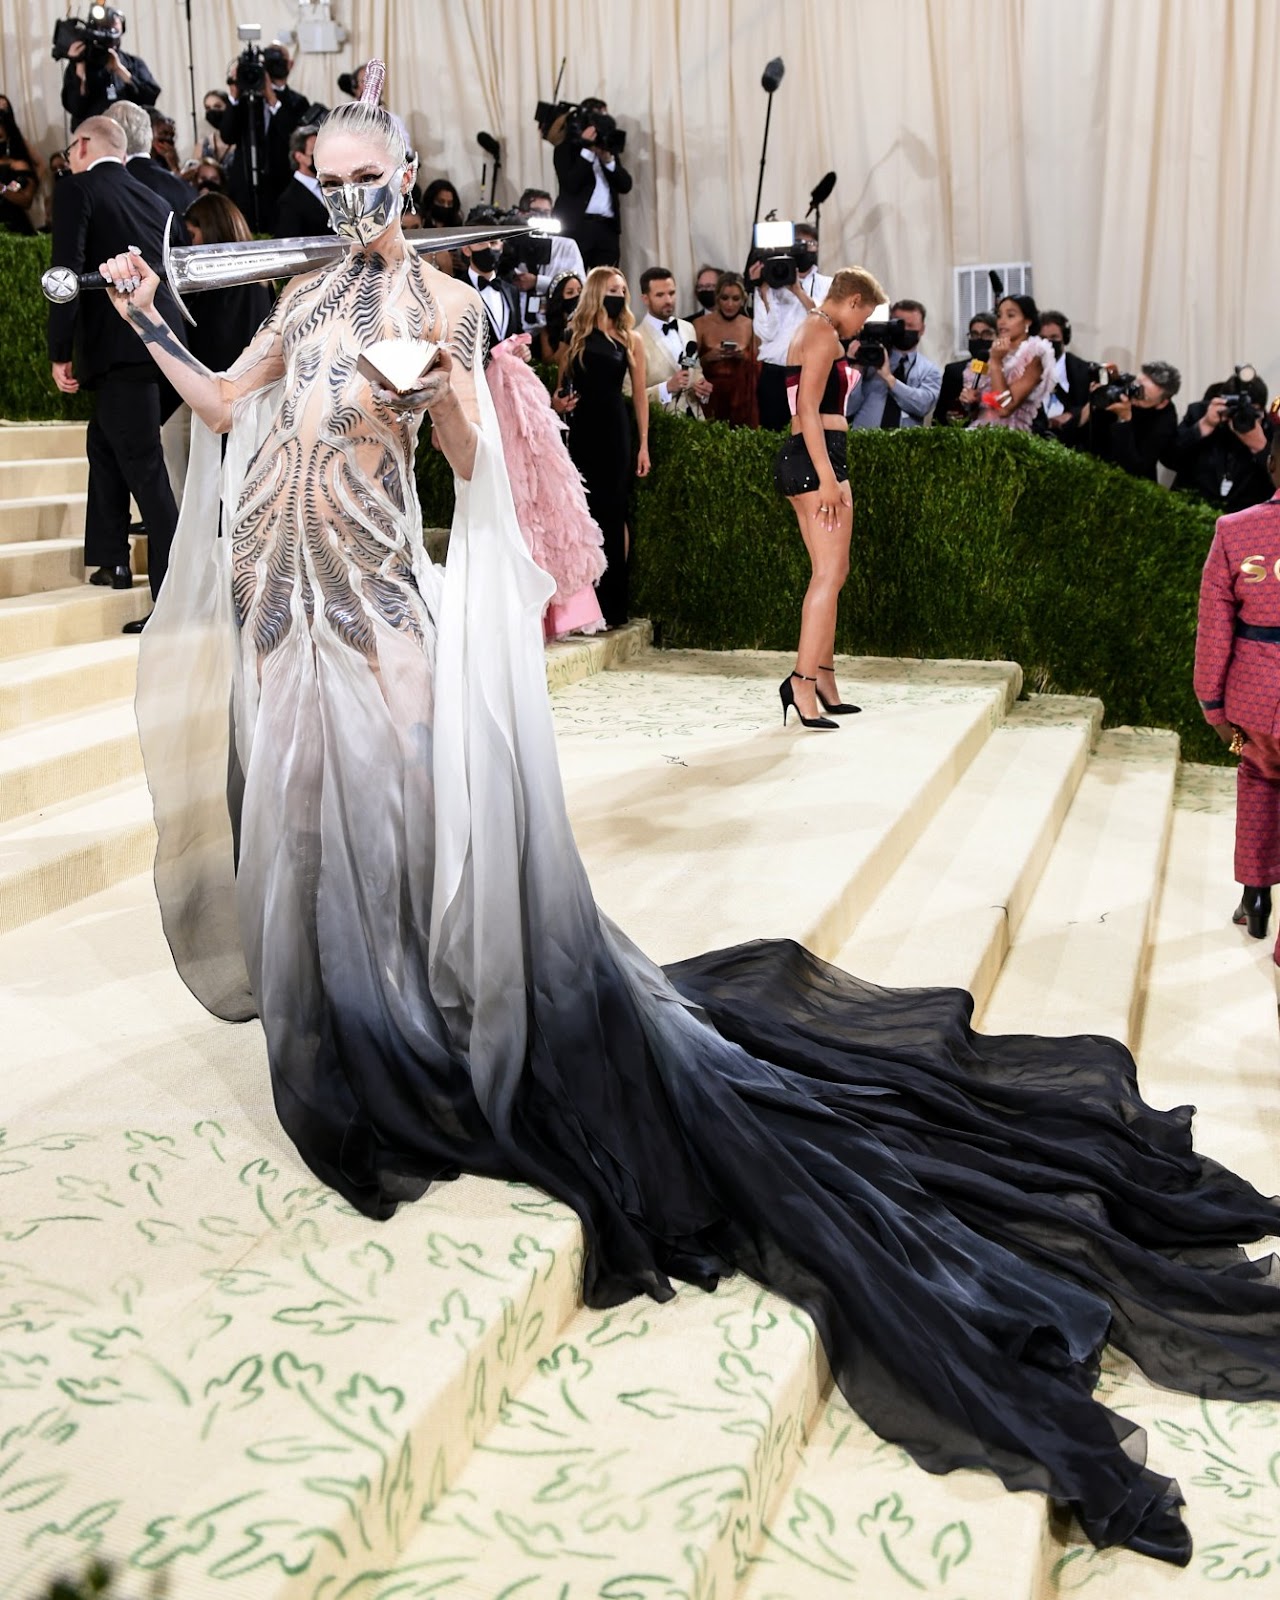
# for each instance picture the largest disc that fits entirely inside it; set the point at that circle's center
(1254, 910)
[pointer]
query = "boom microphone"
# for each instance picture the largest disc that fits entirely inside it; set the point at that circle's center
(822, 190)
(772, 76)
(489, 145)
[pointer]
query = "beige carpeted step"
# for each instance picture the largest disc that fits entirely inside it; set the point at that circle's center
(946, 917)
(64, 757)
(31, 623)
(71, 850)
(37, 565)
(1078, 959)
(22, 479)
(42, 517)
(68, 678)
(681, 762)
(40, 441)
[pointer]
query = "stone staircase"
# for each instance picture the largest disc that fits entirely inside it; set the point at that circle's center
(214, 1370)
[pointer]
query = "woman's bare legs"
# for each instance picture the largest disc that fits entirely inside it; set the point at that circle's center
(828, 547)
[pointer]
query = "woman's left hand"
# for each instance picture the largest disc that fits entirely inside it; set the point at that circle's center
(642, 462)
(429, 392)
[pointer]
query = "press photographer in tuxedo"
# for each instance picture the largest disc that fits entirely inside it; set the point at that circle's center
(260, 121)
(99, 211)
(300, 213)
(592, 179)
(498, 295)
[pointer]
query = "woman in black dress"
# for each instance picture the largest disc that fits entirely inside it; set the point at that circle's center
(226, 319)
(602, 350)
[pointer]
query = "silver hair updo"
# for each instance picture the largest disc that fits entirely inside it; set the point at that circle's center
(367, 119)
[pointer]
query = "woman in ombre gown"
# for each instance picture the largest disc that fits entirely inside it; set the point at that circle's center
(375, 859)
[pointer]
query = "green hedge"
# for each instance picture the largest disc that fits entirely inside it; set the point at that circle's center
(27, 392)
(986, 545)
(978, 545)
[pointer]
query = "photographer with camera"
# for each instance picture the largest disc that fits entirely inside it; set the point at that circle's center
(98, 71)
(555, 255)
(900, 386)
(592, 179)
(788, 286)
(263, 115)
(1220, 449)
(1132, 421)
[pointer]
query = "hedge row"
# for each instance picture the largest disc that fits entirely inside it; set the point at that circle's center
(27, 393)
(983, 545)
(979, 545)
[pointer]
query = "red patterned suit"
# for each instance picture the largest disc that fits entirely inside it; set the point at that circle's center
(1238, 678)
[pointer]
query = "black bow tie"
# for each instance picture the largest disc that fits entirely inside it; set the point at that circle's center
(671, 327)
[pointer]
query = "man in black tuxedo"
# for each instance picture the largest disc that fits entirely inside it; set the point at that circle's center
(94, 79)
(263, 123)
(300, 212)
(98, 212)
(591, 179)
(501, 299)
(142, 166)
(1064, 408)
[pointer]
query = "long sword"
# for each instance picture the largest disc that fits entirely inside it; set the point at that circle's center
(189, 268)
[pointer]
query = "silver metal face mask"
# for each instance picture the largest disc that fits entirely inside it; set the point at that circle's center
(361, 211)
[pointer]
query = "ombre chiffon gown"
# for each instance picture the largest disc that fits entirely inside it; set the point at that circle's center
(371, 853)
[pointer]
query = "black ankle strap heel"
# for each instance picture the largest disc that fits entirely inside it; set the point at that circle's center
(788, 697)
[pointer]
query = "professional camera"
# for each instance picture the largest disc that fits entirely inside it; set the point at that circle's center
(565, 119)
(780, 254)
(98, 32)
(1242, 413)
(1124, 386)
(255, 65)
(878, 336)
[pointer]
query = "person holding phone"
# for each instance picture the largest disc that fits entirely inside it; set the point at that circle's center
(727, 348)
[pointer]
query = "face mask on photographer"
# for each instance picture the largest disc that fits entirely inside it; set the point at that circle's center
(908, 339)
(484, 260)
(980, 346)
(361, 211)
(706, 298)
(213, 116)
(615, 305)
(806, 255)
(441, 214)
(1058, 347)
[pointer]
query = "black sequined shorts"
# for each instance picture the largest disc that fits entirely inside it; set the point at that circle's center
(793, 470)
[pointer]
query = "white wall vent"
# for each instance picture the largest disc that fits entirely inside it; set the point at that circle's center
(974, 293)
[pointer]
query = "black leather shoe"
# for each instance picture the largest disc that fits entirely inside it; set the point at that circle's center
(121, 578)
(102, 577)
(1254, 911)
(137, 625)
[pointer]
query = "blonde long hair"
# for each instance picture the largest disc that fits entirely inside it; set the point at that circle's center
(590, 309)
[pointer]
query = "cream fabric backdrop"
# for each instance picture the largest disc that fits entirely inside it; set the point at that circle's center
(1125, 147)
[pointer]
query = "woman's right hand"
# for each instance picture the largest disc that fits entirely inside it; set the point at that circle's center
(1000, 348)
(133, 282)
(563, 403)
(832, 498)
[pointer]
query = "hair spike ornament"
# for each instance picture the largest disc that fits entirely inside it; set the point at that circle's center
(375, 75)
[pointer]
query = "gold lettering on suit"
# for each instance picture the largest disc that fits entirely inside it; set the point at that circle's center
(1254, 569)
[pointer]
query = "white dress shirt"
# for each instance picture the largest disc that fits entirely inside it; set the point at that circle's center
(776, 327)
(494, 303)
(1053, 406)
(601, 201)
